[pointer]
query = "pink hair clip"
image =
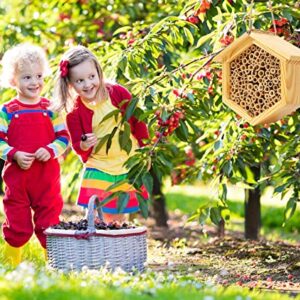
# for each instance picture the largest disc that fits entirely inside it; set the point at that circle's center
(63, 67)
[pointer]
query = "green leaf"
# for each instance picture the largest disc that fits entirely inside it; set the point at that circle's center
(123, 64)
(117, 184)
(182, 131)
(227, 168)
(148, 182)
(281, 188)
(101, 143)
(203, 215)
(164, 115)
(124, 137)
(249, 175)
(143, 203)
(130, 108)
(188, 35)
(128, 146)
(218, 144)
(132, 161)
(242, 167)
(122, 201)
(109, 140)
(205, 38)
(127, 128)
(215, 215)
(223, 192)
(109, 115)
(290, 209)
(109, 198)
(165, 162)
(122, 30)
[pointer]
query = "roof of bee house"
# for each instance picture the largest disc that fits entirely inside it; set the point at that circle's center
(261, 77)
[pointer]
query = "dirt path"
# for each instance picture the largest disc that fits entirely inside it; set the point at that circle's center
(230, 261)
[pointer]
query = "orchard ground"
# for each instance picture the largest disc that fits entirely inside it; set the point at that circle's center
(189, 250)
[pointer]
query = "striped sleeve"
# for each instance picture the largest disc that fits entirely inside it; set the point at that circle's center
(61, 142)
(6, 151)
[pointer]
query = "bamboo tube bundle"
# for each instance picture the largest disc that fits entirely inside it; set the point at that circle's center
(261, 77)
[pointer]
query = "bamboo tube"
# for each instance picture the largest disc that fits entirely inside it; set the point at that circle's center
(272, 93)
(261, 73)
(250, 86)
(261, 101)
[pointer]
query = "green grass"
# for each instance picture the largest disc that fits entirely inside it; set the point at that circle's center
(31, 281)
(272, 216)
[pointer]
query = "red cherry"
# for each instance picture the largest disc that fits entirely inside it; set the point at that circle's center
(290, 276)
(193, 19)
(243, 137)
(64, 16)
(131, 41)
(176, 92)
(226, 40)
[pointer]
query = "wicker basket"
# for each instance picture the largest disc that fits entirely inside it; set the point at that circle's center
(72, 249)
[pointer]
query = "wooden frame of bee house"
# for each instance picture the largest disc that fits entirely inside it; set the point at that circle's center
(261, 77)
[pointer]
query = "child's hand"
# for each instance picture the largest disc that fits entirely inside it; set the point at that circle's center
(91, 140)
(24, 159)
(42, 154)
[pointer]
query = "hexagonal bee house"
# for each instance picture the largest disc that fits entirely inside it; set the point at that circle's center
(261, 77)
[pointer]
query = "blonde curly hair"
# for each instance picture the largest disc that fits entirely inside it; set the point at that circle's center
(18, 58)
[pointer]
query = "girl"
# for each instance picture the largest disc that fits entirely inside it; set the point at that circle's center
(83, 93)
(31, 139)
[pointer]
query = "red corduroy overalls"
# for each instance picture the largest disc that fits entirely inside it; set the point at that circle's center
(36, 189)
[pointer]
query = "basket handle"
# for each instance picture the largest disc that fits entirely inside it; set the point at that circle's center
(94, 200)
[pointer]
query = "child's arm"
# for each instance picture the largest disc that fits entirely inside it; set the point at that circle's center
(23, 159)
(75, 129)
(61, 142)
(6, 152)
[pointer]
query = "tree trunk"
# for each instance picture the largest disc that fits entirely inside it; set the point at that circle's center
(252, 209)
(158, 210)
(221, 229)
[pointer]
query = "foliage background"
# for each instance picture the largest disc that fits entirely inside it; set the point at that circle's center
(162, 51)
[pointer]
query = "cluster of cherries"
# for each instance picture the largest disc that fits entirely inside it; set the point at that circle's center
(170, 124)
(204, 6)
(83, 225)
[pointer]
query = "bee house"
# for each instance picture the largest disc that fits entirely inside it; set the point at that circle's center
(261, 77)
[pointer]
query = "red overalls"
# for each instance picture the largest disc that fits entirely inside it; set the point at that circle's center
(36, 189)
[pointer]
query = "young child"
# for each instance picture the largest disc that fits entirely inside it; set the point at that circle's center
(83, 93)
(31, 139)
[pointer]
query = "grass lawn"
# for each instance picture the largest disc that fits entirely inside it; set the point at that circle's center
(192, 267)
(188, 198)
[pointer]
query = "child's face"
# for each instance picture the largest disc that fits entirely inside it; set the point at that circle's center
(85, 80)
(29, 83)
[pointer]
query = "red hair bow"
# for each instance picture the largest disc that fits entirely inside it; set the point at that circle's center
(63, 66)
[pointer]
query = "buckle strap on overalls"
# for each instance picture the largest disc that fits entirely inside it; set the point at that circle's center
(45, 103)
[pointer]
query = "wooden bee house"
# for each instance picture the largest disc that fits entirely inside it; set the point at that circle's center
(261, 77)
